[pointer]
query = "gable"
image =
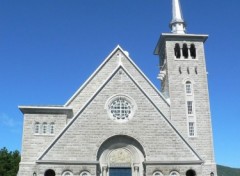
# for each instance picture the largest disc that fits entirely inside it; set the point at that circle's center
(80, 140)
(116, 58)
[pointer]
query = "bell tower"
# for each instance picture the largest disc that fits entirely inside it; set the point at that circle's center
(184, 83)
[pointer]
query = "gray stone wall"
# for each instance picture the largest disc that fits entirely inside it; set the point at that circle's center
(202, 143)
(34, 144)
(82, 139)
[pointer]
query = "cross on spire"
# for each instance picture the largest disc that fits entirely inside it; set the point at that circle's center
(177, 24)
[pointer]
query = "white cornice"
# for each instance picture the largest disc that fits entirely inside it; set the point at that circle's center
(45, 110)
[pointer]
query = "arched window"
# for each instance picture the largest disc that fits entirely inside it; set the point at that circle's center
(67, 173)
(193, 51)
(177, 51)
(190, 173)
(44, 128)
(51, 130)
(49, 172)
(188, 87)
(157, 173)
(37, 128)
(174, 173)
(185, 51)
(85, 173)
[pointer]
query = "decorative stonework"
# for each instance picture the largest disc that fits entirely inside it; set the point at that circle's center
(120, 156)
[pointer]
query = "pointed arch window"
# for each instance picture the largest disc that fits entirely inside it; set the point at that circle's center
(177, 51)
(185, 51)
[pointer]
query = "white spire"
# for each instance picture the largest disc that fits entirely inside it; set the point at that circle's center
(177, 24)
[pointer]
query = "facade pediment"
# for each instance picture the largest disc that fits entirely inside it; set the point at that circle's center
(94, 116)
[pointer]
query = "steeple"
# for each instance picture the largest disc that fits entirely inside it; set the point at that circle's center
(177, 24)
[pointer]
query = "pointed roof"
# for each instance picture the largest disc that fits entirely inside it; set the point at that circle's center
(177, 24)
(112, 61)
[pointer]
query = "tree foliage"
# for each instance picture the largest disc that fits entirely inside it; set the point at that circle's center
(9, 162)
(227, 171)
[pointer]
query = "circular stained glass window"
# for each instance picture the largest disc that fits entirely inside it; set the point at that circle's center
(120, 108)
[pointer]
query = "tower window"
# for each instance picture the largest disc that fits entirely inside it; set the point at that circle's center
(188, 87)
(190, 107)
(177, 51)
(191, 129)
(193, 51)
(185, 51)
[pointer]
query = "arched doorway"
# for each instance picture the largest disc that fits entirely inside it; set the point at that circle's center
(121, 156)
(49, 172)
(190, 173)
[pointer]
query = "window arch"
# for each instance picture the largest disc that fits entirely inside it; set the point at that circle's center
(49, 172)
(37, 128)
(190, 173)
(85, 173)
(44, 128)
(177, 51)
(174, 173)
(185, 51)
(193, 51)
(157, 173)
(67, 173)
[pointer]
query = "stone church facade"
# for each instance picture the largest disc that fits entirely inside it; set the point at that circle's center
(118, 123)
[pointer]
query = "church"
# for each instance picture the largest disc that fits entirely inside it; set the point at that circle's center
(119, 124)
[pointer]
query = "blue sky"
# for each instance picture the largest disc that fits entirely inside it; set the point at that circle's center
(49, 48)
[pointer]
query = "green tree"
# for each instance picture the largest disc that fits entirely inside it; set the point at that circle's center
(9, 162)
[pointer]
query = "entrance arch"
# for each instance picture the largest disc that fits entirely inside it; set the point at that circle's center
(121, 154)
